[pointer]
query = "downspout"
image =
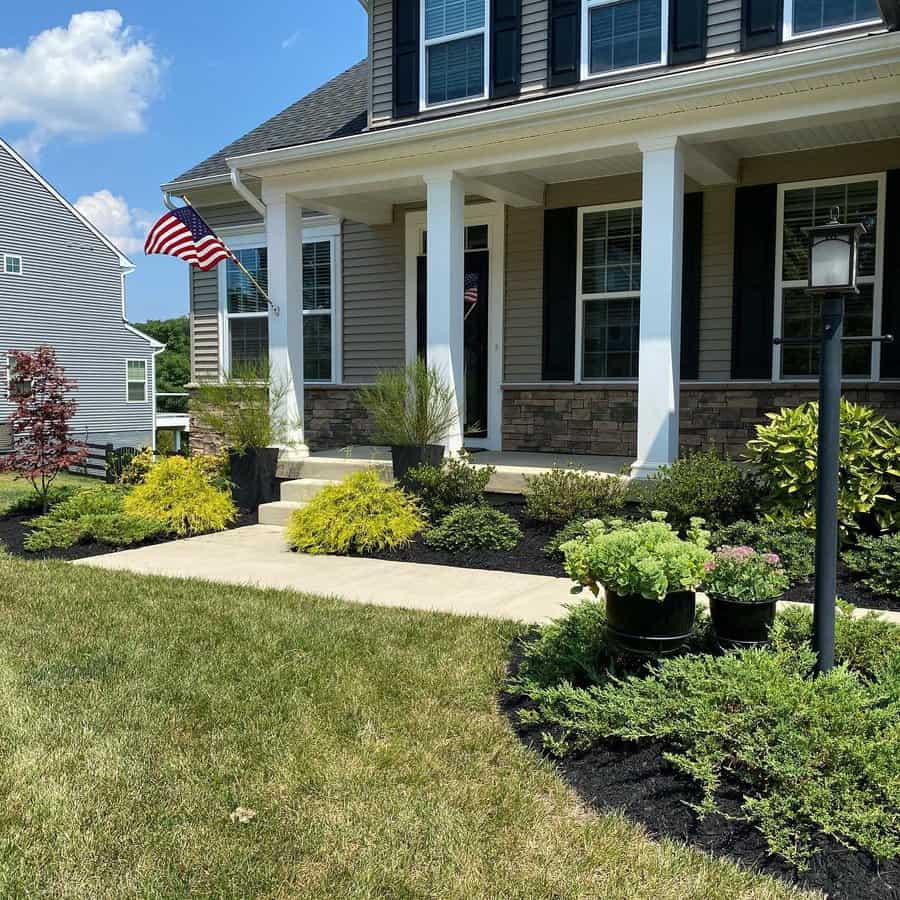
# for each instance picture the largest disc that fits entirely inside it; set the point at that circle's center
(246, 193)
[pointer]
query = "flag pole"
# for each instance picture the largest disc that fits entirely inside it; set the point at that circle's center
(242, 267)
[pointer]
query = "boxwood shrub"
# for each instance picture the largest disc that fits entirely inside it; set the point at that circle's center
(474, 527)
(560, 495)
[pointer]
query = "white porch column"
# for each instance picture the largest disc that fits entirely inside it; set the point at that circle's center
(284, 242)
(659, 367)
(445, 223)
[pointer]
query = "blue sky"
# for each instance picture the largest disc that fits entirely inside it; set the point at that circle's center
(107, 106)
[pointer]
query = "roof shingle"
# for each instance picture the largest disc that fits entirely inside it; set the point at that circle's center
(339, 108)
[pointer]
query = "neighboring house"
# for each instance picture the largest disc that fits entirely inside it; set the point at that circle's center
(62, 284)
(622, 187)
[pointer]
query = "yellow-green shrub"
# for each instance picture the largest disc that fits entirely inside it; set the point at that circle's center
(177, 492)
(360, 514)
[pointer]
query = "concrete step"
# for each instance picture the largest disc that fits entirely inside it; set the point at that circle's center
(303, 488)
(333, 468)
(279, 512)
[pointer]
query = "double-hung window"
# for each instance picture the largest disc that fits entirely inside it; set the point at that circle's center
(798, 314)
(247, 314)
(455, 50)
(16, 384)
(609, 291)
(136, 380)
(802, 17)
(618, 35)
(318, 310)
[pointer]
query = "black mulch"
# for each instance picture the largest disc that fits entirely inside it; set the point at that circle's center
(847, 590)
(13, 532)
(635, 780)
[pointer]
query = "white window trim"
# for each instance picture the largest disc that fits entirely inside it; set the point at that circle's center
(424, 44)
(581, 297)
(787, 32)
(586, 74)
(244, 238)
(17, 256)
(136, 359)
(876, 280)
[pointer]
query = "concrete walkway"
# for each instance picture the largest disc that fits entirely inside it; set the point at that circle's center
(257, 556)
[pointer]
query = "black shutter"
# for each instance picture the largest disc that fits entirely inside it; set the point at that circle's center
(761, 24)
(564, 28)
(406, 58)
(890, 298)
(506, 47)
(754, 281)
(560, 255)
(691, 256)
(422, 306)
(687, 31)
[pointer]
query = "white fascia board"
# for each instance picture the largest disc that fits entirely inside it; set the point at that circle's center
(151, 341)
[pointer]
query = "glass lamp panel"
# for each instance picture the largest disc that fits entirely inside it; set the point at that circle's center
(831, 262)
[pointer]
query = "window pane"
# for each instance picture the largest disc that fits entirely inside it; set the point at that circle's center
(805, 207)
(476, 237)
(456, 70)
(13, 265)
(249, 345)
(317, 275)
(611, 251)
(611, 335)
(446, 17)
(625, 34)
(137, 380)
(801, 318)
(317, 348)
(242, 296)
(812, 15)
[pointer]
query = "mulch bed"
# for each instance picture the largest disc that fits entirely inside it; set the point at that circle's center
(13, 532)
(635, 780)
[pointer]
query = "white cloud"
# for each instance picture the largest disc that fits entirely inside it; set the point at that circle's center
(289, 42)
(89, 79)
(124, 226)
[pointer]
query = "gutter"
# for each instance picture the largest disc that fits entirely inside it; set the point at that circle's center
(245, 192)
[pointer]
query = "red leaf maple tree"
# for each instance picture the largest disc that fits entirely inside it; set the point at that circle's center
(42, 443)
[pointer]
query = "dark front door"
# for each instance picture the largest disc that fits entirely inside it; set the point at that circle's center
(475, 336)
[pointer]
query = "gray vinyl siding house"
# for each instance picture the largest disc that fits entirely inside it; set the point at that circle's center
(767, 113)
(66, 290)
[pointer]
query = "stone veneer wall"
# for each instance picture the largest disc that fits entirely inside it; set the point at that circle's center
(332, 418)
(603, 420)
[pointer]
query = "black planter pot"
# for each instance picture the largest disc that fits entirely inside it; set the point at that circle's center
(406, 458)
(738, 623)
(253, 476)
(650, 627)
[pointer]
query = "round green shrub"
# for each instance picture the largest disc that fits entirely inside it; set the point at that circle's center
(359, 515)
(560, 495)
(474, 527)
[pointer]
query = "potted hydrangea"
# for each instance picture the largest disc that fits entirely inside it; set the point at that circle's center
(743, 587)
(649, 576)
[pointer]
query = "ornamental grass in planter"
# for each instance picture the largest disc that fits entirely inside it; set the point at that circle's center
(649, 575)
(743, 587)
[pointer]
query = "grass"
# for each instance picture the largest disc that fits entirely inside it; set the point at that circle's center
(11, 488)
(138, 712)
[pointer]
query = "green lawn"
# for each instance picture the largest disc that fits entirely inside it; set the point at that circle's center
(138, 712)
(11, 488)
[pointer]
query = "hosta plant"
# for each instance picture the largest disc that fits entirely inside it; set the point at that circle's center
(785, 452)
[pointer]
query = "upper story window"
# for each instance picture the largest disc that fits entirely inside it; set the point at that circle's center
(455, 51)
(798, 314)
(136, 380)
(803, 17)
(12, 264)
(618, 35)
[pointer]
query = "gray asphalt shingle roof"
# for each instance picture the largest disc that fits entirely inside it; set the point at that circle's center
(339, 108)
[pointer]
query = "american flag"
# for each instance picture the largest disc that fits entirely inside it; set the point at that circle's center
(470, 293)
(183, 233)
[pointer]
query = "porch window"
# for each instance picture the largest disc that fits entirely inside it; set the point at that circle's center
(802, 206)
(16, 384)
(609, 285)
(318, 310)
(136, 380)
(807, 16)
(247, 313)
(622, 34)
(455, 56)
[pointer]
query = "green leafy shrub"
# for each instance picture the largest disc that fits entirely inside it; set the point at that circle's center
(474, 527)
(571, 531)
(32, 502)
(740, 573)
(95, 514)
(360, 514)
(703, 484)
(455, 482)
(647, 558)
(796, 547)
(560, 495)
(785, 452)
(877, 561)
(177, 492)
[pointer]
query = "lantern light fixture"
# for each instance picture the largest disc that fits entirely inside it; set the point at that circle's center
(833, 253)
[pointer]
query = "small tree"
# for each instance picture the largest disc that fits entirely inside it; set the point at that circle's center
(42, 444)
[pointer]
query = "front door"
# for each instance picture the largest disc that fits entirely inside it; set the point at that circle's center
(476, 289)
